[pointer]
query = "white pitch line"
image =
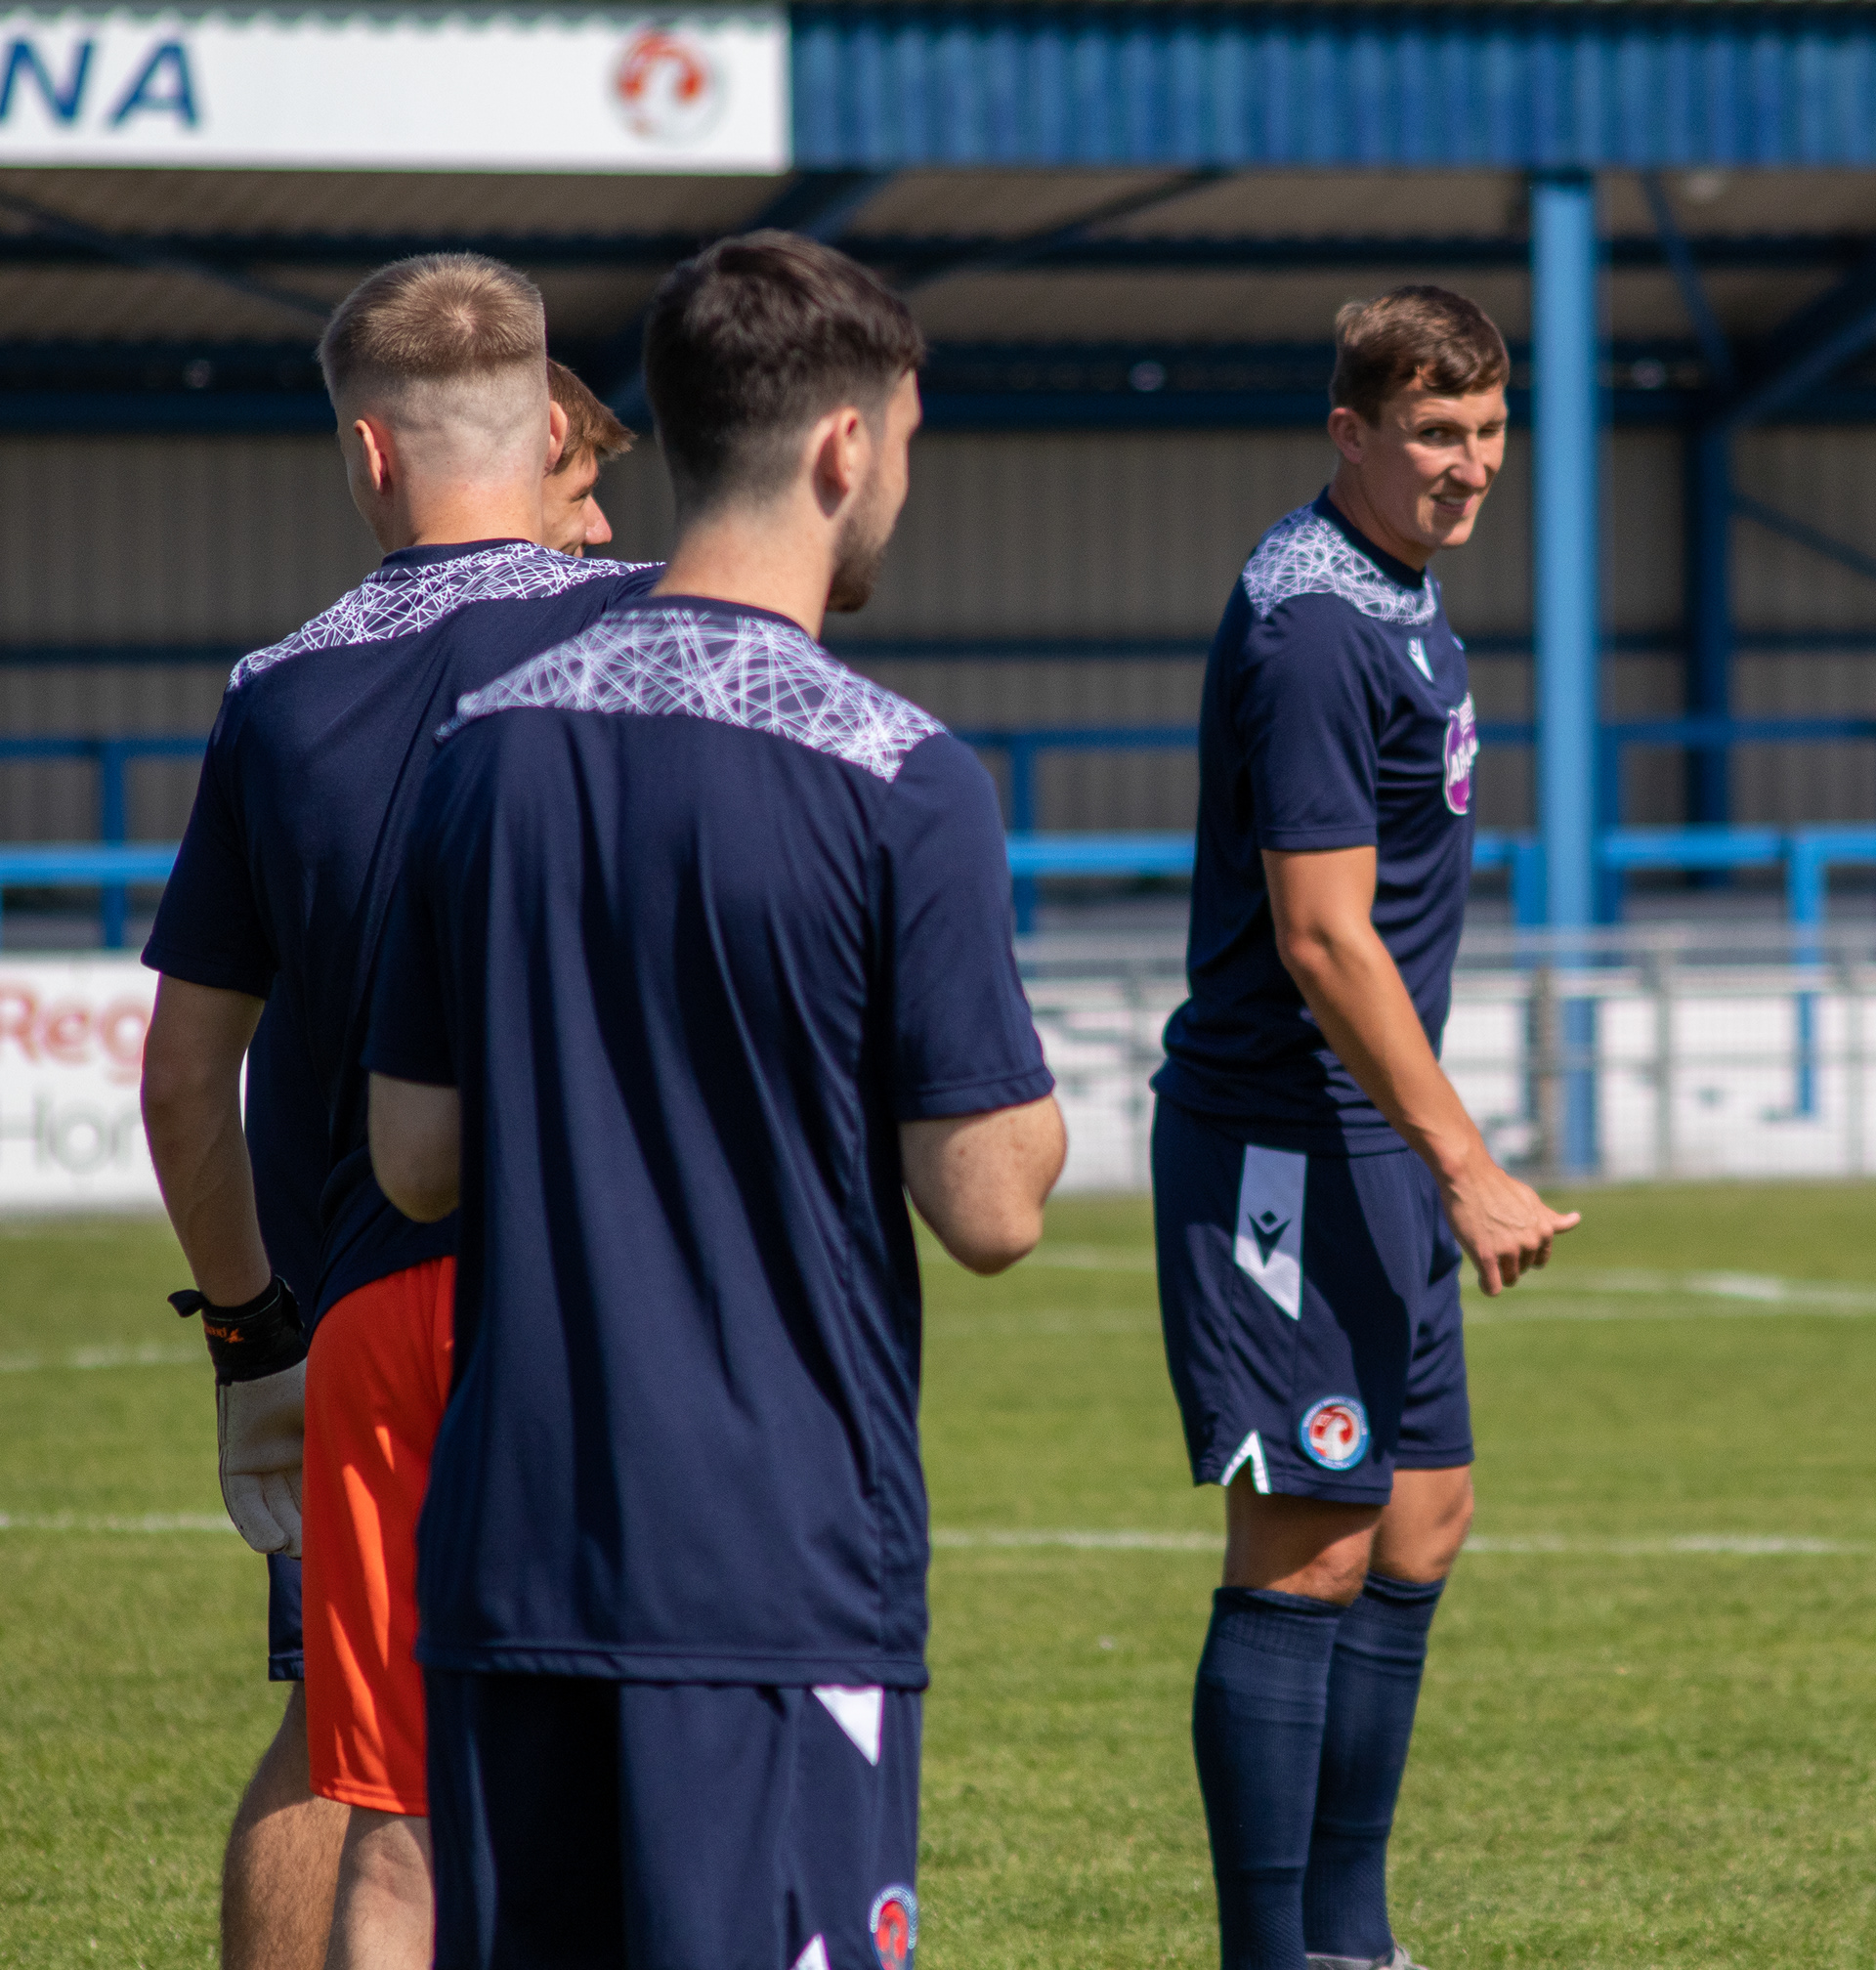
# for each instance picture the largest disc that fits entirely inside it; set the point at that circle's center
(1747, 1294)
(1693, 1545)
(148, 1355)
(143, 1523)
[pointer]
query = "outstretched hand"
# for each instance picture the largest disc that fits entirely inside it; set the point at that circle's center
(1502, 1226)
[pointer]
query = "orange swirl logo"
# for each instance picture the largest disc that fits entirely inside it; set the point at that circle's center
(667, 87)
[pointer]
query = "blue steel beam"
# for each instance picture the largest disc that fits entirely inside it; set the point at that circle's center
(131, 251)
(1791, 529)
(1707, 578)
(1003, 255)
(215, 254)
(1708, 611)
(1678, 252)
(1567, 549)
(1809, 349)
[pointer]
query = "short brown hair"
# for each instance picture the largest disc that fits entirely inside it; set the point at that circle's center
(751, 341)
(1432, 335)
(434, 318)
(590, 425)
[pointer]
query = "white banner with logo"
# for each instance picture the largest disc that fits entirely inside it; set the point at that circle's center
(71, 1051)
(458, 90)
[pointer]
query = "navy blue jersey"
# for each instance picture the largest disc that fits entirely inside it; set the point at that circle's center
(285, 1116)
(287, 865)
(694, 917)
(1336, 715)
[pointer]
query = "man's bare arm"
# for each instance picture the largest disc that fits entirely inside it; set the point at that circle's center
(191, 1096)
(1323, 906)
(417, 1146)
(980, 1182)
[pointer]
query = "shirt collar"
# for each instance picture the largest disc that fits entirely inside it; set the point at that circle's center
(451, 550)
(1395, 571)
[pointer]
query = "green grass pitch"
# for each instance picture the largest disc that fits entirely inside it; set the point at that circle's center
(1642, 1742)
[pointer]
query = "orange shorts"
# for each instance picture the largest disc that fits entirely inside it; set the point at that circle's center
(377, 1380)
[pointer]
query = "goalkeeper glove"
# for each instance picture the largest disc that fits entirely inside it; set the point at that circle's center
(259, 1352)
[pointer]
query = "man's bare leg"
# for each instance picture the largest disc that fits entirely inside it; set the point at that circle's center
(282, 1861)
(384, 1916)
(1307, 1546)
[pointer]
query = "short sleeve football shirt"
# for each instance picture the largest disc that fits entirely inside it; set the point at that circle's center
(1336, 714)
(288, 864)
(694, 917)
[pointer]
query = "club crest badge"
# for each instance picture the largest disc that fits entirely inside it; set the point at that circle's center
(1334, 1433)
(1462, 750)
(894, 1924)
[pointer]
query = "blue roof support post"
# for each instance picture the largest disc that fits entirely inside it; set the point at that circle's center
(113, 828)
(1709, 614)
(1566, 393)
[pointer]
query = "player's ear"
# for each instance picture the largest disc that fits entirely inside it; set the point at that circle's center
(1347, 433)
(840, 449)
(556, 433)
(374, 445)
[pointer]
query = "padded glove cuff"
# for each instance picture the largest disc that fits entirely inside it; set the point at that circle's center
(245, 1342)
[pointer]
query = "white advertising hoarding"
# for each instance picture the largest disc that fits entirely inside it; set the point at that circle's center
(455, 90)
(72, 1050)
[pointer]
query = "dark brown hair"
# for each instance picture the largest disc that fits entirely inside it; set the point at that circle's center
(1427, 334)
(434, 318)
(751, 341)
(590, 425)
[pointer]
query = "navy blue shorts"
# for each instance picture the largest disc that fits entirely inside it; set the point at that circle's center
(1311, 1313)
(578, 1822)
(286, 1651)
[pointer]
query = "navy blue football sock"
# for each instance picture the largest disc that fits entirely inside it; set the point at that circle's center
(1257, 1730)
(1373, 1684)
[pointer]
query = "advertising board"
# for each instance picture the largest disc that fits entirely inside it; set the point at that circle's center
(456, 89)
(72, 1048)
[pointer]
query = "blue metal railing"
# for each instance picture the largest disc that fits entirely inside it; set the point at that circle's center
(84, 865)
(112, 759)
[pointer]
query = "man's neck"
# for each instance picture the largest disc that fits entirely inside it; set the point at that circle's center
(1346, 495)
(454, 521)
(753, 559)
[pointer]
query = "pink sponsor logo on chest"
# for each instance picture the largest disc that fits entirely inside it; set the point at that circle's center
(1462, 750)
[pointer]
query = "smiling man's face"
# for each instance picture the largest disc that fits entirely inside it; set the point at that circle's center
(1423, 469)
(572, 520)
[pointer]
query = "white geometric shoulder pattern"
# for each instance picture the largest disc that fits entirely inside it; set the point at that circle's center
(404, 601)
(1305, 554)
(760, 676)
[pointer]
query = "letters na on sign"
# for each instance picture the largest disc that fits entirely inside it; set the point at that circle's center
(469, 90)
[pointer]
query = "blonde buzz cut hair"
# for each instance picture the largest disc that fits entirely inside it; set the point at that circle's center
(451, 350)
(438, 318)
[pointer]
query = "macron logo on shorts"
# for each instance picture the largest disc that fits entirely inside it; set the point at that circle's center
(1269, 1236)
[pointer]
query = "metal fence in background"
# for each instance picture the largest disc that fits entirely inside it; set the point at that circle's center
(1642, 1050)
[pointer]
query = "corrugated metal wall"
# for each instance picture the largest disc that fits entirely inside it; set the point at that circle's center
(1123, 535)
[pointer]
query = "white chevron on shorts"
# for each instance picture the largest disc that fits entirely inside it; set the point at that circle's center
(859, 1713)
